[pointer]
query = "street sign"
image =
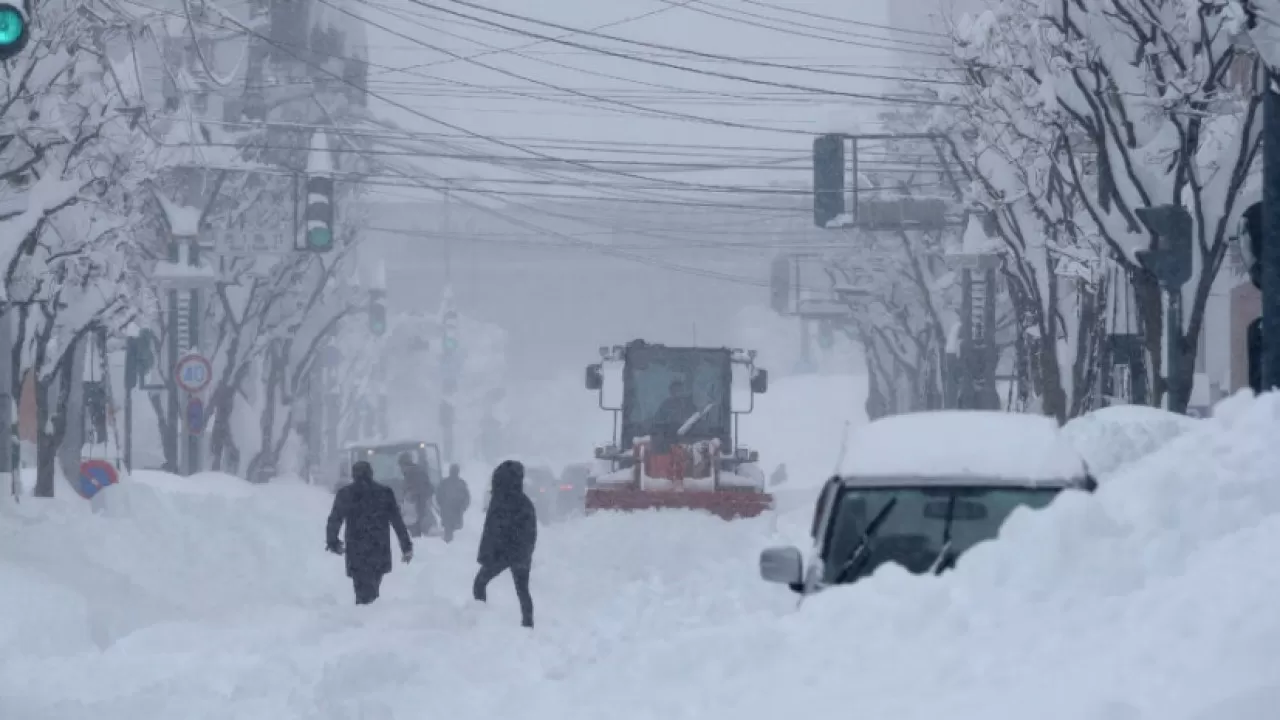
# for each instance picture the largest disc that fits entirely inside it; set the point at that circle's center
(94, 476)
(245, 242)
(195, 415)
(193, 373)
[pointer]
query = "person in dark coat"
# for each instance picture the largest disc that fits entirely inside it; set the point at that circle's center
(454, 498)
(509, 536)
(369, 511)
(419, 490)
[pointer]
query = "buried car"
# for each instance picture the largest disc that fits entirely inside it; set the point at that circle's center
(920, 489)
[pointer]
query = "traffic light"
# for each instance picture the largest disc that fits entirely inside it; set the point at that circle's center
(139, 358)
(1169, 259)
(13, 30)
(1250, 238)
(319, 214)
(828, 179)
(377, 317)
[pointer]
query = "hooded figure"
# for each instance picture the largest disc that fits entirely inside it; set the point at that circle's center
(509, 536)
(454, 498)
(369, 511)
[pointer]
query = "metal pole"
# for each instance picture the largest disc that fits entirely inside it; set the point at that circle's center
(128, 425)
(1270, 250)
(6, 396)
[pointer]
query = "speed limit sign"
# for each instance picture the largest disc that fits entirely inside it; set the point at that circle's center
(193, 373)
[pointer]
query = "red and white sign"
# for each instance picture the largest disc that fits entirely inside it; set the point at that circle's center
(193, 373)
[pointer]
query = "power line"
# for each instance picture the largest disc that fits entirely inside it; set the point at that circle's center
(597, 98)
(827, 38)
(684, 68)
(847, 21)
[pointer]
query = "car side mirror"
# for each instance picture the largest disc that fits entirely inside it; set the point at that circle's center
(760, 381)
(782, 565)
(595, 377)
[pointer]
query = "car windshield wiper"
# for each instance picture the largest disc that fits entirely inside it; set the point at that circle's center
(862, 552)
(693, 420)
(944, 558)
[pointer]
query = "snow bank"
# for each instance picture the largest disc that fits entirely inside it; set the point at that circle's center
(164, 547)
(1115, 436)
(1150, 600)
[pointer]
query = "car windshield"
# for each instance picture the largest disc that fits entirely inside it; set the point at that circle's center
(666, 390)
(922, 522)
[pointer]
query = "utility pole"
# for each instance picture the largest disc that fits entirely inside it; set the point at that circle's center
(1169, 260)
(1268, 256)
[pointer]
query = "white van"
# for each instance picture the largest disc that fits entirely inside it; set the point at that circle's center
(920, 489)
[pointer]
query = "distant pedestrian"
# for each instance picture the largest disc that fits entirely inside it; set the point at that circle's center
(454, 497)
(418, 490)
(509, 536)
(369, 511)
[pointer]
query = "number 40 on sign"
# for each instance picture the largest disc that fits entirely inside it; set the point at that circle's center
(193, 373)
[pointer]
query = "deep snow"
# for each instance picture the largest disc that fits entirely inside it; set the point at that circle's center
(1153, 599)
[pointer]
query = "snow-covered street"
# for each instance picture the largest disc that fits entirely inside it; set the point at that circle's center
(1151, 599)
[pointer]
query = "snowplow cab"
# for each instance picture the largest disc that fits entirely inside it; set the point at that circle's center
(675, 441)
(384, 457)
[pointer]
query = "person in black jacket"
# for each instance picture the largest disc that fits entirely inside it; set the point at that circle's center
(419, 490)
(370, 512)
(509, 536)
(454, 498)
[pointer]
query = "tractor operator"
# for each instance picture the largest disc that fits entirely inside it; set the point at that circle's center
(672, 414)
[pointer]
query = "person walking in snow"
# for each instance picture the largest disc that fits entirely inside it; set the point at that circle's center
(370, 512)
(418, 489)
(454, 498)
(509, 536)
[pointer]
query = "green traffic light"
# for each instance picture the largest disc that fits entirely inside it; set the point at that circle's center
(13, 31)
(319, 238)
(450, 344)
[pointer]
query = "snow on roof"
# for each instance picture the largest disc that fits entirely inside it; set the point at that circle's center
(319, 160)
(184, 220)
(947, 445)
(362, 444)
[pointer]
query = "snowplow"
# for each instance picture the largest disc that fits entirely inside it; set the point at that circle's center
(675, 428)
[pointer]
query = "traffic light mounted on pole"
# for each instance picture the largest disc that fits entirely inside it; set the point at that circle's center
(319, 214)
(13, 30)
(449, 350)
(139, 358)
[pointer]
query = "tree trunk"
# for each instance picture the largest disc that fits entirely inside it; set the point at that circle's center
(51, 424)
(1147, 300)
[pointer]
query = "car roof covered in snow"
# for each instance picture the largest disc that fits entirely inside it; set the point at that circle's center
(394, 442)
(961, 447)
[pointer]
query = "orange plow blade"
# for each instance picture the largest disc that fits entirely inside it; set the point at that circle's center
(726, 505)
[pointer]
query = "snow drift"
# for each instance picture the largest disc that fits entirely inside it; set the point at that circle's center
(1150, 600)
(1115, 436)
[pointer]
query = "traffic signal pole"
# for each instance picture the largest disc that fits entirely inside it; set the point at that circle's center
(1269, 248)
